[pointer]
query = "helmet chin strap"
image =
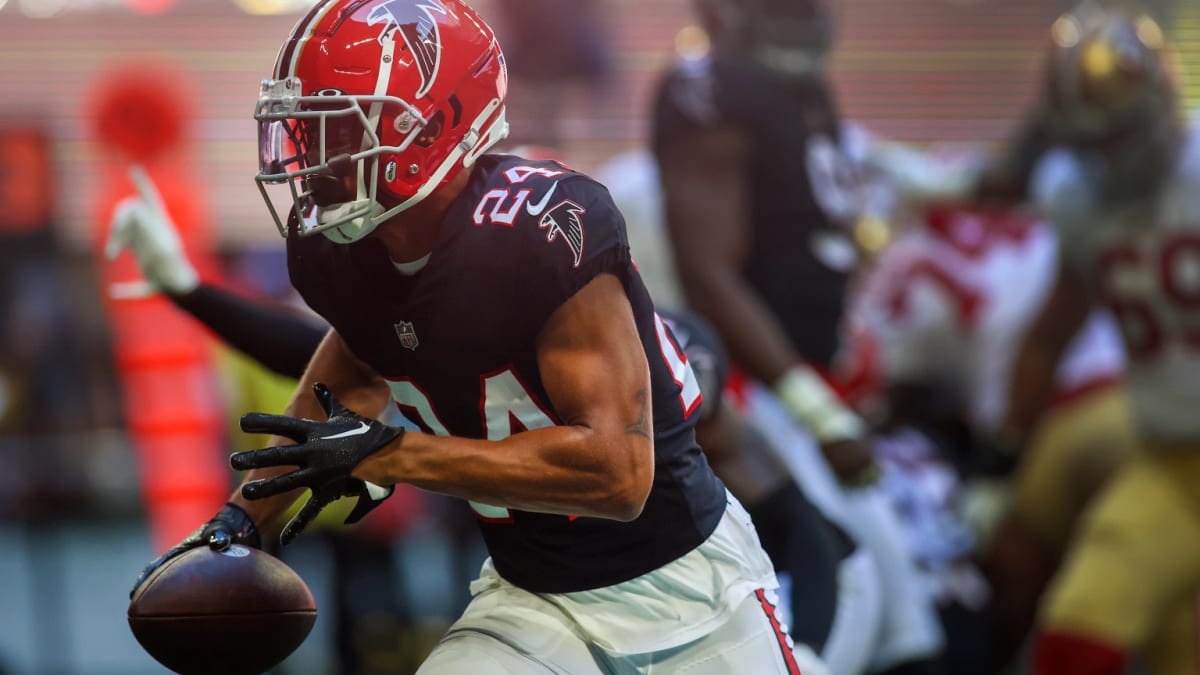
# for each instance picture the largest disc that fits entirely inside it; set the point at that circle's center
(354, 227)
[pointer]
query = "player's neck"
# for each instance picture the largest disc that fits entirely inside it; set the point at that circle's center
(412, 234)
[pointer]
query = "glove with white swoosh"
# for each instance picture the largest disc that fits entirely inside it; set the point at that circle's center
(326, 453)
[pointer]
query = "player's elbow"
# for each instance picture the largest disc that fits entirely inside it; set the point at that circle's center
(630, 487)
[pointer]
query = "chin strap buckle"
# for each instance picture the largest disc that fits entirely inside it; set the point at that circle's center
(469, 141)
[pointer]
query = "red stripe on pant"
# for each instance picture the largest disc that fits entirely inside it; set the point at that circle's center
(782, 637)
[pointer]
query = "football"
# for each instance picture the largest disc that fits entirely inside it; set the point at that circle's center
(238, 611)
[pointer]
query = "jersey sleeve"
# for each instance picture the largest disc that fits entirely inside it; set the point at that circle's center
(575, 236)
(272, 335)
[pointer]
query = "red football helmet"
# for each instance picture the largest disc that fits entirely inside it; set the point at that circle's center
(374, 104)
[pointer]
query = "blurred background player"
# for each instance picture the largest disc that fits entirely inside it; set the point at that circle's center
(834, 599)
(1122, 190)
(757, 196)
(944, 306)
(1115, 171)
(561, 56)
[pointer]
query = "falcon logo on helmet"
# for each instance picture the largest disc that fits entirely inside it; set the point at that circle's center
(420, 32)
(565, 218)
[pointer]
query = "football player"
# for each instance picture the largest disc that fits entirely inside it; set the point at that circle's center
(1117, 174)
(757, 194)
(1122, 188)
(494, 301)
(830, 580)
(946, 304)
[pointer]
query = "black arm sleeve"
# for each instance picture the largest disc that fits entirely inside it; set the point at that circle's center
(273, 336)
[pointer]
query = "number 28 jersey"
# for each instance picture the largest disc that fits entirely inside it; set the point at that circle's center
(456, 343)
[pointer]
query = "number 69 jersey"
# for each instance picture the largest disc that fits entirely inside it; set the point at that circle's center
(1142, 260)
(456, 343)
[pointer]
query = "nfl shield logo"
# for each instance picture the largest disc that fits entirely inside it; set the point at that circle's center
(408, 336)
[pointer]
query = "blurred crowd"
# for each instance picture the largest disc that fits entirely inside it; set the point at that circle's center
(919, 274)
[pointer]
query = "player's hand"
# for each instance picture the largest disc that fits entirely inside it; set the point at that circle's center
(231, 525)
(326, 453)
(852, 461)
(142, 225)
(816, 406)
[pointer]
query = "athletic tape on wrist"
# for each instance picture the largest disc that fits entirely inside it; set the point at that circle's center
(812, 401)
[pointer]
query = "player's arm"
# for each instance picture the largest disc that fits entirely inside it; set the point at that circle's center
(918, 176)
(598, 462)
(273, 336)
(706, 201)
(706, 198)
(1006, 179)
(1065, 311)
(740, 455)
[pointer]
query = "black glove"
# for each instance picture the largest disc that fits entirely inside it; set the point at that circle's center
(231, 525)
(326, 453)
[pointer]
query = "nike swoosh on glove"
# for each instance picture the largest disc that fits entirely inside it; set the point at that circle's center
(326, 452)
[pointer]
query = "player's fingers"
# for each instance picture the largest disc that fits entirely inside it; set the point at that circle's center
(120, 227)
(307, 513)
(371, 496)
(146, 187)
(280, 455)
(329, 404)
(269, 487)
(294, 428)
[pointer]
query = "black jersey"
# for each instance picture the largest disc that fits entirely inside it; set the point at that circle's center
(456, 342)
(800, 188)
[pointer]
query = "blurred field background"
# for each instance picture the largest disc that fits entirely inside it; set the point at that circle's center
(73, 530)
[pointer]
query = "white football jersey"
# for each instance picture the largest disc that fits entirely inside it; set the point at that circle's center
(950, 300)
(1142, 261)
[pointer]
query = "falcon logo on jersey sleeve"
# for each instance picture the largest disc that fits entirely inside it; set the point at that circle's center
(566, 219)
(420, 32)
